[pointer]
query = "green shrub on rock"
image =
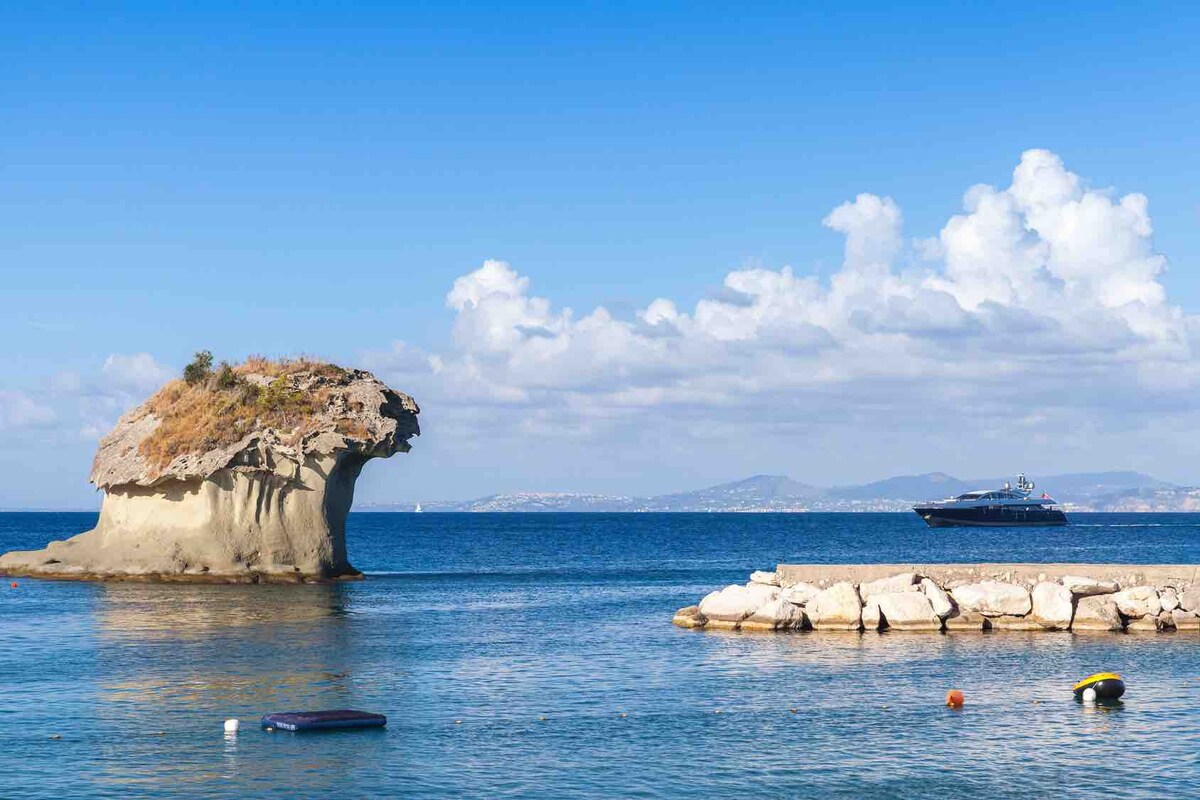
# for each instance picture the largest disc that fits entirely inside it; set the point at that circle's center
(200, 369)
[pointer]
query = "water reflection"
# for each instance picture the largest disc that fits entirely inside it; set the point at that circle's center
(184, 658)
(185, 612)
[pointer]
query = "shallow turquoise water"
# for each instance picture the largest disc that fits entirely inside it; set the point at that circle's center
(499, 620)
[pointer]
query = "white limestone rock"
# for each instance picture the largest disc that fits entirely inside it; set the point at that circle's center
(767, 578)
(1008, 622)
(776, 615)
(800, 594)
(1138, 602)
(1086, 587)
(906, 611)
(872, 620)
(836, 608)
(1168, 599)
(904, 582)
(942, 605)
(1190, 599)
(736, 602)
(1147, 624)
(993, 598)
(1186, 620)
(1052, 606)
(765, 591)
(1096, 613)
(689, 617)
(960, 620)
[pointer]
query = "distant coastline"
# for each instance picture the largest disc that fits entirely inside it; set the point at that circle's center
(1078, 492)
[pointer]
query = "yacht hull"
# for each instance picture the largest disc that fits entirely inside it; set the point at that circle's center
(991, 517)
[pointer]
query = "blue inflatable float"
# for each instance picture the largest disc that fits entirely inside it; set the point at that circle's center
(322, 720)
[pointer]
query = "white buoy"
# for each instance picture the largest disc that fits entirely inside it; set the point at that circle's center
(231, 725)
(1089, 696)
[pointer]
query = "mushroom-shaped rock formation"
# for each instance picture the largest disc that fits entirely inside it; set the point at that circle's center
(243, 474)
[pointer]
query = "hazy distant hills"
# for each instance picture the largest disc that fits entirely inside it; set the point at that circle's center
(1090, 491)
(909, 487)
(1071, 488)
(759, 492)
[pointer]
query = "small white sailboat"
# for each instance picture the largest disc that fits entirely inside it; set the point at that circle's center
(417, 510)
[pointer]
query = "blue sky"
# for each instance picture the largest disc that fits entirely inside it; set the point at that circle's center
(255, 178)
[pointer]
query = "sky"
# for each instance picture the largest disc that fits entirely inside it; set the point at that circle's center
(615, 247)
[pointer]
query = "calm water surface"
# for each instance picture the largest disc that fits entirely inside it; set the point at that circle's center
(498, 620)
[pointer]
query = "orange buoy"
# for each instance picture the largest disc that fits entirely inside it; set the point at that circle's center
(954, 698)
(14, 584)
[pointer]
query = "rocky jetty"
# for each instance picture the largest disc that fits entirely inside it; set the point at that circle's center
(242, 473)
(955, 597)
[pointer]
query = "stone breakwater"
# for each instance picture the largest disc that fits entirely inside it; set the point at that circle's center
(956, 597)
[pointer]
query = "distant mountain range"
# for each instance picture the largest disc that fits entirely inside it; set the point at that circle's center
(1089, 491)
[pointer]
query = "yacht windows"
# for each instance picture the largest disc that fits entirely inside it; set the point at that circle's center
(1008, 495)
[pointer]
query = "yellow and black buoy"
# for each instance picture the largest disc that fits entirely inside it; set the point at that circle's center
(1105, 685)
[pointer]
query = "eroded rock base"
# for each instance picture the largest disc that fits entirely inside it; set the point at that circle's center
(248, 577)
(237, 526)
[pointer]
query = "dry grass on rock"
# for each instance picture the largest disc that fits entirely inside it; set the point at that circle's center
(231, 401)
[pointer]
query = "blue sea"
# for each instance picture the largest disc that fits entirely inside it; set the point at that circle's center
(533, 656)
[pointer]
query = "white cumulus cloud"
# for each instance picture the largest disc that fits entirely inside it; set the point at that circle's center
(1040, 302)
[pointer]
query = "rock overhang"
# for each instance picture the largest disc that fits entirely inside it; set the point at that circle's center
(358, 413)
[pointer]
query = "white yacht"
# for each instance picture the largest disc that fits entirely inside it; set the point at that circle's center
(1007, 507)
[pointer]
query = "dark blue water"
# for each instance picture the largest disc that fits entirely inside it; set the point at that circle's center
(471, 628)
